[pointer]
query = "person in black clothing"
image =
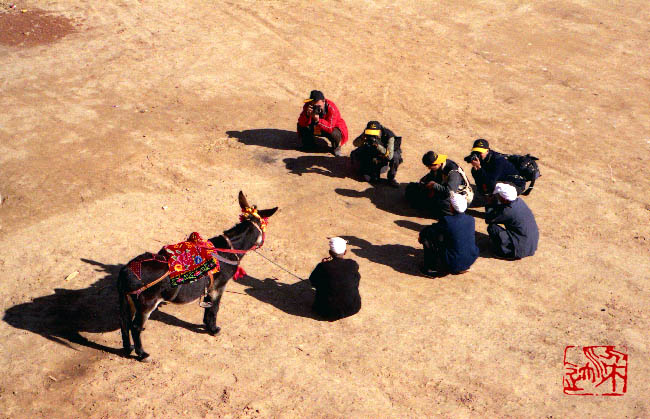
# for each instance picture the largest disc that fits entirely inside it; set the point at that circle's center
(377, 147)
(519, 235)
(433, 191)
(490, 167)
(336, 280)
(450, 244)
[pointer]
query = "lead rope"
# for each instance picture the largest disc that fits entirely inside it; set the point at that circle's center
(279, 266)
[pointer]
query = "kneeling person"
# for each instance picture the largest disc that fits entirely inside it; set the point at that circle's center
(336, 280)
(520, 236)
(321, 118)
(450, 244)
(434, 190)
(377, 147)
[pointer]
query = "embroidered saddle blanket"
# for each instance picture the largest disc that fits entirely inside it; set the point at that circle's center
(191, 259)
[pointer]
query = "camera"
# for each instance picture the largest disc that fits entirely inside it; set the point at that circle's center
(318, 110)
(473, 156)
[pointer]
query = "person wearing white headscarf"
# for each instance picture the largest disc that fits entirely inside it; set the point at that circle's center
(450, 244)
(336, 280)
(519, 236)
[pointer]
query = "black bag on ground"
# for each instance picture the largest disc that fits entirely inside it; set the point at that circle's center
(527, 167)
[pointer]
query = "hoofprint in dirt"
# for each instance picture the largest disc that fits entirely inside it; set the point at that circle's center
(142, 124)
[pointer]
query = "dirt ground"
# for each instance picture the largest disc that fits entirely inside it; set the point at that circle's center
(126, 125)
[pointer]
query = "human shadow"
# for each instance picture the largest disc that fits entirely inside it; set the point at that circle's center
(403, 259)
(62, 316)
(278, 139)
(386, 199)
(476, 214)
(411, 225)
(295, 299)
(337, 167)
(484, 244)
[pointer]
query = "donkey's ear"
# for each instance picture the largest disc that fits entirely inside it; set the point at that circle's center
(243, 202)
(266, 213)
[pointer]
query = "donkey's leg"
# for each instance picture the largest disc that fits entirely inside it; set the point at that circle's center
(142, 315)
(210, 314)
(127, 310)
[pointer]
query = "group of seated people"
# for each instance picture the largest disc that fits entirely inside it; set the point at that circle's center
(444, 192)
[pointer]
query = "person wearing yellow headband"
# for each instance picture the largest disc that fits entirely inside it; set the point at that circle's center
(434, 190)
(490, 167)
(377, 148)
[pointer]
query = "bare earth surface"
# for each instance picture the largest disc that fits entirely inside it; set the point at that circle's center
(116, 109)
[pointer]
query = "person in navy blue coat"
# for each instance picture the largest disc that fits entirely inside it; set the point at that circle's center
(450, 244)
(519, 235)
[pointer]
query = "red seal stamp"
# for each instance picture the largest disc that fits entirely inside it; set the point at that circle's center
(595, 371)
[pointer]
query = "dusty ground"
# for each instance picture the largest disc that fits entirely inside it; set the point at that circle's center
(136, 105)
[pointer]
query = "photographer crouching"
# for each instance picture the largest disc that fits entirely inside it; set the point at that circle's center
(377, 147)
(321, 118)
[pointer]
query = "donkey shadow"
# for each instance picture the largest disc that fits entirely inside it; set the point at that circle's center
(386, 199)
(403, 259)
(62, 316)
(295, 299)
(278, 139)
(337, 167)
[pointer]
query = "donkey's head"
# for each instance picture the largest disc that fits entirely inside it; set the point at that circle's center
(257, 218)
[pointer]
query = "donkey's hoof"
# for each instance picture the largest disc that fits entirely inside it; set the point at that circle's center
(214, 331)
(144, 357)
(127, 350)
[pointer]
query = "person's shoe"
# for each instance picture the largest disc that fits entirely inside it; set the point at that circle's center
(431, 273)
(366, 178)
(374, 180)
(337, 152)
(393, 183)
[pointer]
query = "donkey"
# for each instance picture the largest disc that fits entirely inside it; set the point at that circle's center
(141, 292)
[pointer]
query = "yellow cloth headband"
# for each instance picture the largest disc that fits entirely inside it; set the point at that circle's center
(441, 159)
(375, 132)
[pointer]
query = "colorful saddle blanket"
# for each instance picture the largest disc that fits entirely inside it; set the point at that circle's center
(191, 259)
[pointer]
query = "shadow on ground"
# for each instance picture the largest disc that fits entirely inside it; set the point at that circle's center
(386, 199)
(62, 316)
(404, 259)
(338, 167)
(295, 299)
(411, 225)
(278, 139)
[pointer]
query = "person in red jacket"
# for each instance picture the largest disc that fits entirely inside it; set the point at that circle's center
(321, 118)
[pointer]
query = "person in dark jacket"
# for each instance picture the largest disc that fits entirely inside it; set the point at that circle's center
(336, 280)
(490, 167)
(450, 244)
(321, 118)
(377, 147)
(520, 236)
(433, 191)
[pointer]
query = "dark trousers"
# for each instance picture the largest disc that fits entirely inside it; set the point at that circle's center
(308, 138)
(417, 196)
(433, 250)
(363, 158)
(501, 241)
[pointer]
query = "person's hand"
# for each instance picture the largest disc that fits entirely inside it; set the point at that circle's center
(310, 110)
(476, 164)
(315, 117)
(430, 185)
